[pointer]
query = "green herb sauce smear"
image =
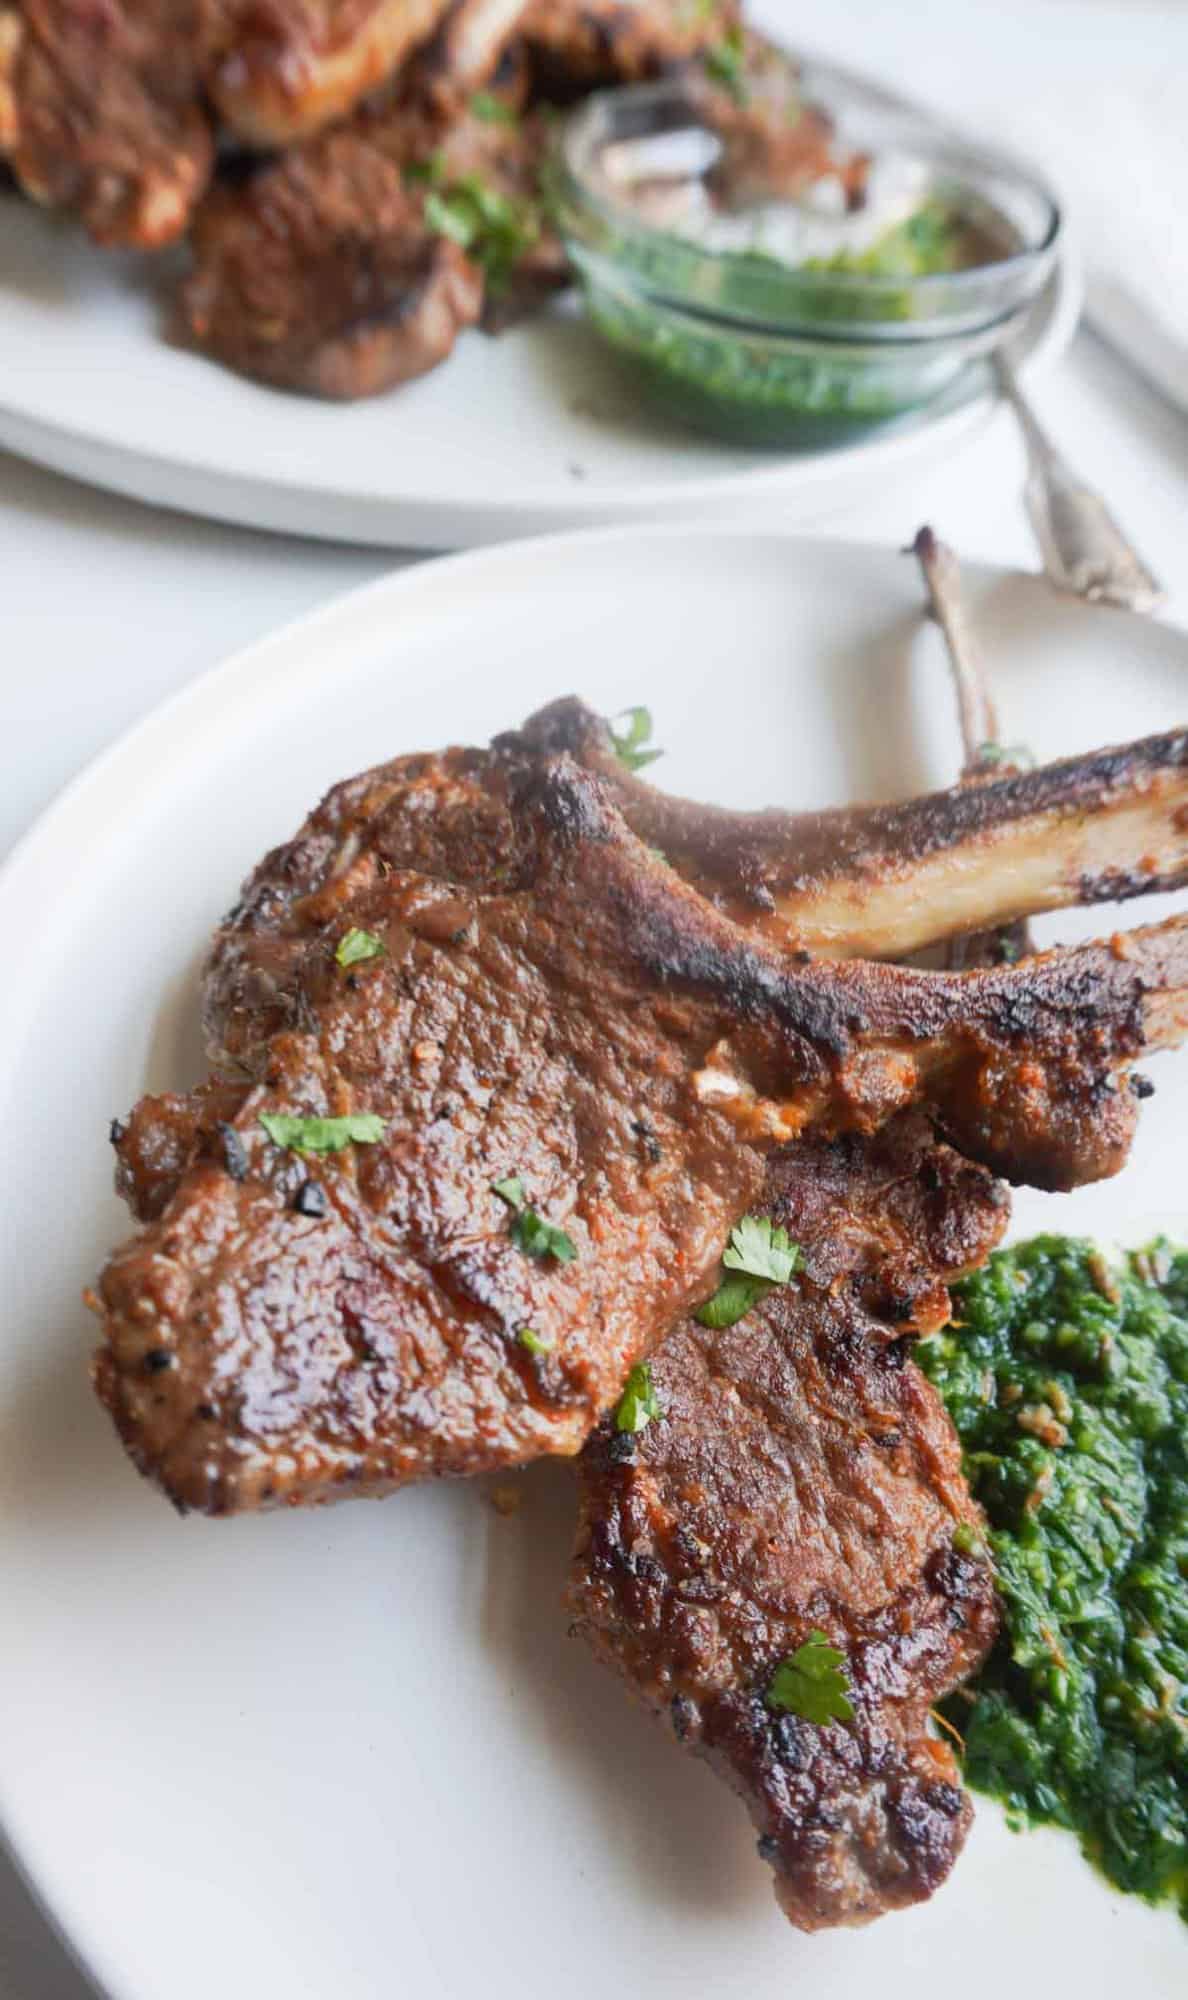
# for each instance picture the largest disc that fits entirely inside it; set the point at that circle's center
(1067, 1378)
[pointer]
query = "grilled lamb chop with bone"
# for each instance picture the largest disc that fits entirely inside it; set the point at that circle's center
(800, 1475)
(554, 1006)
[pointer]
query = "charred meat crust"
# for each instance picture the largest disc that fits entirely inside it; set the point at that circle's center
(804, 1476)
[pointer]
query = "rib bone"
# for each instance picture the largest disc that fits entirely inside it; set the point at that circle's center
(884, 881)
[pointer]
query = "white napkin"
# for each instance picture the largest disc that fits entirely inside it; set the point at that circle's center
(1120, 158)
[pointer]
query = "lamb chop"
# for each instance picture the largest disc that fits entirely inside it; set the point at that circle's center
(105, 110)
(792, 1481)
(101, 111)
(353, 262)
(570, 1069)
(801, 1477)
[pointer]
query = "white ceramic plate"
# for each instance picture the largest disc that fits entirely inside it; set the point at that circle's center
(353, 1754)
(533, 431)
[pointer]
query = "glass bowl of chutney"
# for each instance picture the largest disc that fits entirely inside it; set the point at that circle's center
(799, 269)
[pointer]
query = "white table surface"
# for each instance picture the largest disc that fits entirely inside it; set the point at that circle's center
(108, 607)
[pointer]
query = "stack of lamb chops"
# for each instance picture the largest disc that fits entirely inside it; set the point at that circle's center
(357, 180)
(590, 1030)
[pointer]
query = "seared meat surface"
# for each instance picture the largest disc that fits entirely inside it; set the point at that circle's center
(803, 1476)
(318, 273)
(325, 270)
(581, 45)
(550, 1002)
(289, 68)
(101, 110)
(109, 110)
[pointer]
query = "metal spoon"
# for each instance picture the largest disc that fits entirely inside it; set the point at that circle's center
(1084, 550)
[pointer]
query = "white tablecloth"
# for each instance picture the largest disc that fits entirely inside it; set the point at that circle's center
(107, 608)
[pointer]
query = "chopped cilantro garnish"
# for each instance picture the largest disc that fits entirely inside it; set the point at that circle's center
(758, 1256)
(529, 1231)
(639, 1402)
(538, 1238)
(322, 1135)
(430, 171)
(725, 62)
(812, 1683)
(493, 228)
(491, 109)
(1016, 755)
(533, 1342)
(356, 946)
(630, 742)
(762, 1250)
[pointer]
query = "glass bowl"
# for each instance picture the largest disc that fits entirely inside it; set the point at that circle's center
(760, 347)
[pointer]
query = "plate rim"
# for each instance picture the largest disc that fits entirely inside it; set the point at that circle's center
(284, 503)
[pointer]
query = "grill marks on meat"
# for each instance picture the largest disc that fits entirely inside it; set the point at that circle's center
(554, 1002)
(883, 881)
(804, 1476)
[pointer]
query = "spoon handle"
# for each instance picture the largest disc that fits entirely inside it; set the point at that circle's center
(1083, 548)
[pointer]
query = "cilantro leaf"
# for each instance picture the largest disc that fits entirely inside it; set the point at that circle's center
(762, 1250)
(758, 1256)
(629, 742)
(492, 110)
(451, 217)
(492, 227)
(356, 946)
(812, 1683)
(725, 62)
(528, 1230)
(430, 171)
(322, 1135)
(533, 1342)
(639, 1402)
(540, 1239)
(734, 1297)
(1016, 756)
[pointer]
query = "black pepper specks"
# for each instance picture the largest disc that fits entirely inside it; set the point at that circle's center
(235, 1157)
(1141, 1086)
(116, 1131)
(157, 1359)
(648, 1140)
(310, 1199)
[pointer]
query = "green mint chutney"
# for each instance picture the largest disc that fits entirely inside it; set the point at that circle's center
(1067, 1377)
